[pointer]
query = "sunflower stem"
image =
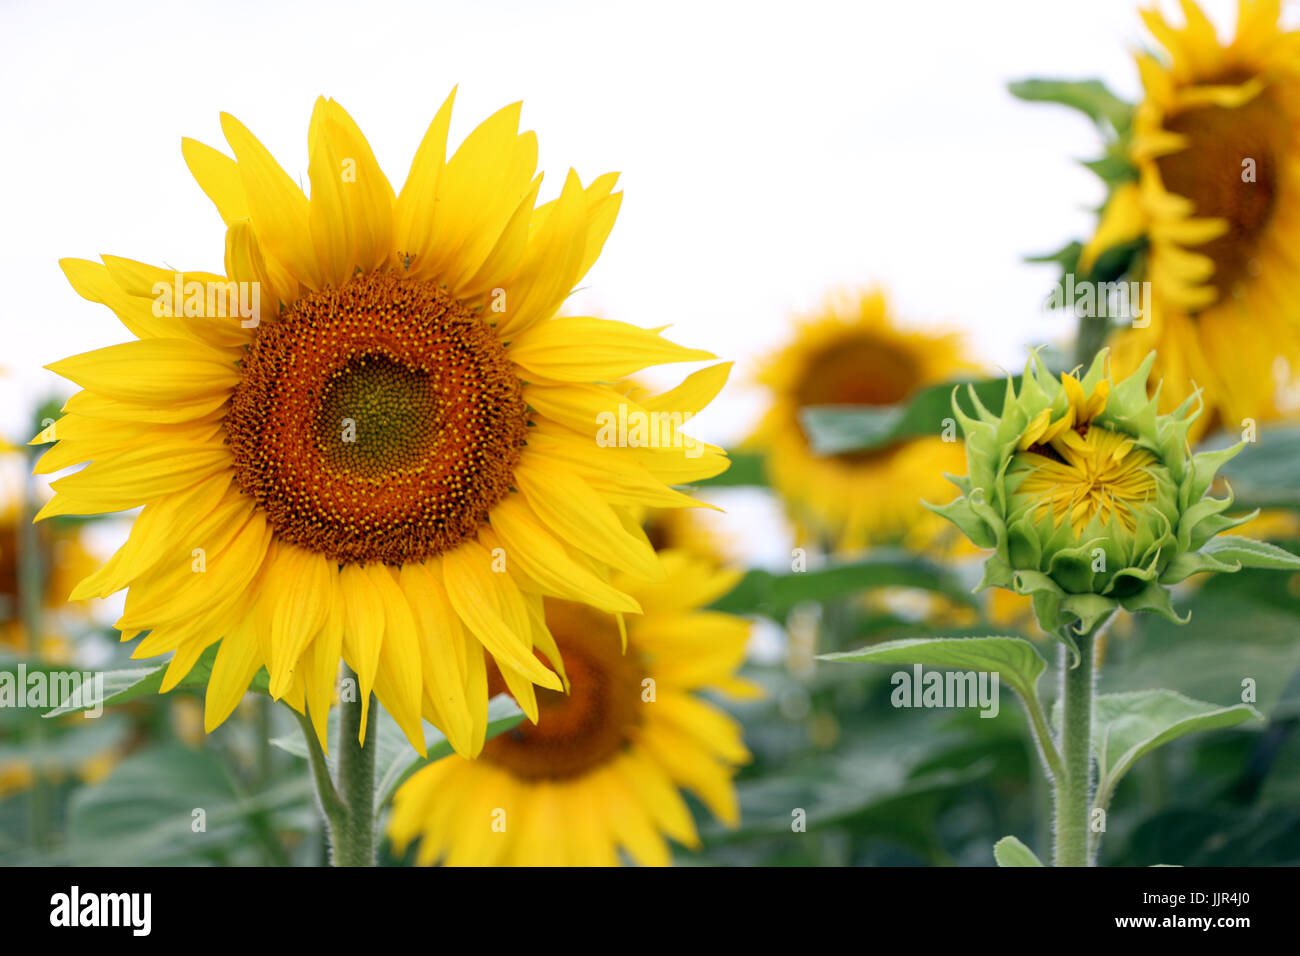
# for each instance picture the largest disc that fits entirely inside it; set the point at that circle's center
(31, 588)
(354, 838)
(1074, 788)
(331, 803)
(1090, 338)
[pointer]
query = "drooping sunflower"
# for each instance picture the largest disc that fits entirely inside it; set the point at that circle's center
(855, 353)
(342, 443)
(599, 774)
(1216, 143)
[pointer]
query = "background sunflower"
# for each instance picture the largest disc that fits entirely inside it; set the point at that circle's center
(1215, 144)
(597, 775)
(854, 352)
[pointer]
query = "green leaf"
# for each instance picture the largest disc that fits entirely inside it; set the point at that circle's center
(1016, 661)
(395, 760)
(171, 805)
(1250, 553)
(1196, 660)
(1009, 851)
(762, 592)
(1128, 726)
(1090, 97)
(503, 715)
(1113, 168)
(835, 429)
(1263, 474)
(746, 469)
(69, 749)
(120, 686)
(871, 772)
(1117, 261)
(1067, 256)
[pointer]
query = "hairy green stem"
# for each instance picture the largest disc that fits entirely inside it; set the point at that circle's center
(331, 803)
(354, 841)
(1043, 737)
(348, 802)
(1074, 789)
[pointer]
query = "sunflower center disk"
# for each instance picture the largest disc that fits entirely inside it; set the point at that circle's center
(863, 371)
(587, 727)
(379, 421)
(1223, 145)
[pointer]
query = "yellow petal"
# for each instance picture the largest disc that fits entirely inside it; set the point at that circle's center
(276, 206)
(218, 176)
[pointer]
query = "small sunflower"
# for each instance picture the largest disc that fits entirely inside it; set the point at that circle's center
(599, 772)
(394, 455)
(854, 353)
(1216, 144)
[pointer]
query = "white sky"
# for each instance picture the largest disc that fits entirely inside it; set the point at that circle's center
(769, 153)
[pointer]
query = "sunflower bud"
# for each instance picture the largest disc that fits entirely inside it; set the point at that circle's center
(1090, 499)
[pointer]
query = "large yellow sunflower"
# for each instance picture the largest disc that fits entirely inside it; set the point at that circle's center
(395, 454)
(854, 353)
(600, 771)
(1216, 140)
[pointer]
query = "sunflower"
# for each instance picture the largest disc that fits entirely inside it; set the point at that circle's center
(854, 353)
(1216, 144)
(343, 444)
(688, 530)
(63, 560)
(600, 771)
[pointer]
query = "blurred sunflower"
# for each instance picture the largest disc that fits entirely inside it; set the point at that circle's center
(1216, 144)
(341, 470)
(684, 529)
(15, 777)
(600, 771)
(854, 353)
(63, 560)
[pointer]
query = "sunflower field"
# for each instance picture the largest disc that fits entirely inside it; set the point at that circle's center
(420, 523)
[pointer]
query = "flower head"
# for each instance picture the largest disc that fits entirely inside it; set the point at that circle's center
(599, 773)
(1215, 200)
(1088, 496)
(856, 353)
(372, 439)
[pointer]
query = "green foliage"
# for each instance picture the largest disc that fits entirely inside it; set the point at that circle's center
(172, 806)
(746, 469)
(1128, 726)
(127, 684)
(835, 429)
(1263, 474)
(1009, 851)
(395, 761)
(774, 595)
(1016, 661)
(1090, 97)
